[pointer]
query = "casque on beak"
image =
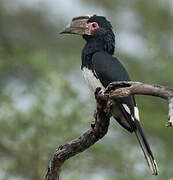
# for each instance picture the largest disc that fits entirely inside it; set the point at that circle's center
(78, 26)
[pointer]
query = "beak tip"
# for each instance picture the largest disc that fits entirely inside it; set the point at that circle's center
(66, 31)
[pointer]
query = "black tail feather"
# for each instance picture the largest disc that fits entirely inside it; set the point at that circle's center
(146, 148)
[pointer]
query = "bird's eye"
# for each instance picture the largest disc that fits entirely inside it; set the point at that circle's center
(94, 25)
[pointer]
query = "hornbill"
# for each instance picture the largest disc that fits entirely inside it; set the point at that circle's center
(100, 68)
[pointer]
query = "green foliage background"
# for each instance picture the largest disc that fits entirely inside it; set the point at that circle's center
(43, 99)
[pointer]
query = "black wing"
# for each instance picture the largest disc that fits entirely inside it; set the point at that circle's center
(108, 69)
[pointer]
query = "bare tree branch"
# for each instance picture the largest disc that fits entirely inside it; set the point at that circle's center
(102, 117)
(96, 132)
(127, 88)
(123, 89)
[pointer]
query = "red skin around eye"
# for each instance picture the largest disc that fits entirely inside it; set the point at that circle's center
(93, 26)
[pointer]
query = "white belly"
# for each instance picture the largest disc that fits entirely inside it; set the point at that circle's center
(91, 80)
(93, 83)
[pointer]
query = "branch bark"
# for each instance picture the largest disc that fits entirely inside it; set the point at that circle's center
(96, 132)
(102, 118)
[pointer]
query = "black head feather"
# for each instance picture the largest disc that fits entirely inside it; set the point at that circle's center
(102, 21)
(102, 35)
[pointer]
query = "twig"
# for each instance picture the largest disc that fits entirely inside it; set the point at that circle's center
(170, 112)
(102, 117)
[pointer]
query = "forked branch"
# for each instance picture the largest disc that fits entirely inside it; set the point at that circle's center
(102, 117)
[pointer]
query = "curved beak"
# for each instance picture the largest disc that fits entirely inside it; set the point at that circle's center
(78, 26)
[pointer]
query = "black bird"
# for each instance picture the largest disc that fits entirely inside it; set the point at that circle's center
(100, 68)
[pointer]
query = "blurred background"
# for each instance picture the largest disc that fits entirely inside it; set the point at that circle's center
(44, 101)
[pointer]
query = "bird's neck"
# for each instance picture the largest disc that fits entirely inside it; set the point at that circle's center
(89, 49)
(92, 46)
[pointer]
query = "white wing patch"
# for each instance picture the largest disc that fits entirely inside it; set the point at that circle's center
(126, 108)
(91, 80)
(136, 113)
